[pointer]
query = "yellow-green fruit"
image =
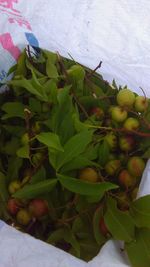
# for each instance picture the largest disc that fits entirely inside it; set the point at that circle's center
(131, 124)
(118, 114)
(112, 166)
(141, 103)
(125, 98)
(136, 166)
(89, 174)
(14, 186)
(23, 217)
(111, 140)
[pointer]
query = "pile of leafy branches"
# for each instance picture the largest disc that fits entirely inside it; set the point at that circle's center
(70, 163)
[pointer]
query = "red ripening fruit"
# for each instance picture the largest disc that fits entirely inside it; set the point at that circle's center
(126, 143)
(103, 227)
(38, 208)
(126, 179)
(13, 206)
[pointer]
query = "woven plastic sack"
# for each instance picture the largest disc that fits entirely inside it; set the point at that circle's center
(116, 33)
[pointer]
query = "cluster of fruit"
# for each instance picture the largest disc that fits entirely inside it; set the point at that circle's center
(73, 150)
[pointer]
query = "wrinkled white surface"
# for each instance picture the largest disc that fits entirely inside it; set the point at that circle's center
(116, 32)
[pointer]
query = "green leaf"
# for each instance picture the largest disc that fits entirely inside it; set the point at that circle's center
(51, 69)
(34, 105)
(23, 152)
(74, 147)
(146, 155)
(139, 249)
(52, 57)
(100, 239)
(70, 238)
(34, 190)
(140, 211)
(56, 236)
(3, 188)
(39, 176)
(14, 165)
(78, 163)
(21, 67)
(85, 188)
(51, 140)
(119, 223)
(103, 153)
(13, 109)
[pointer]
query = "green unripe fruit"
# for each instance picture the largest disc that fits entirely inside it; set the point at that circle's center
(118, 114)
(131, 124)
(23, 217)
(136, 166)
(126, 179)
(14, 186)
(126, 143)
(111, 140)
(141, 103)
(89, 174)
(112, 166)
(125, 98)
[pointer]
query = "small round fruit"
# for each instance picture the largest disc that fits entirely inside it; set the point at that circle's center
(112, 166)
(125, 98)
(119, 114)
(126, 179)
(123, 201)
(23, 217)
(126, 143)
(98, 112)
(111, 140)
(14, 186)
(13, 206)
(89, 174)
(103, 228)
(141, 103)
(136, 166)
(25, 139)
(38, 208)
(131, 124)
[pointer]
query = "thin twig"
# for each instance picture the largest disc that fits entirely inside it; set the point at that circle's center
(93, 71)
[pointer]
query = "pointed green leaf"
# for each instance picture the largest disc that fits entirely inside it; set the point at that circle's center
(119, 223)
(74, 147)
(85, 188)
(140, 211)
(34, 190)
(139, 249)
(13, 109)
(51, 140)
(23, 152)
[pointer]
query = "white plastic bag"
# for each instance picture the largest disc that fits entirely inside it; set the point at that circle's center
(116, 32)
